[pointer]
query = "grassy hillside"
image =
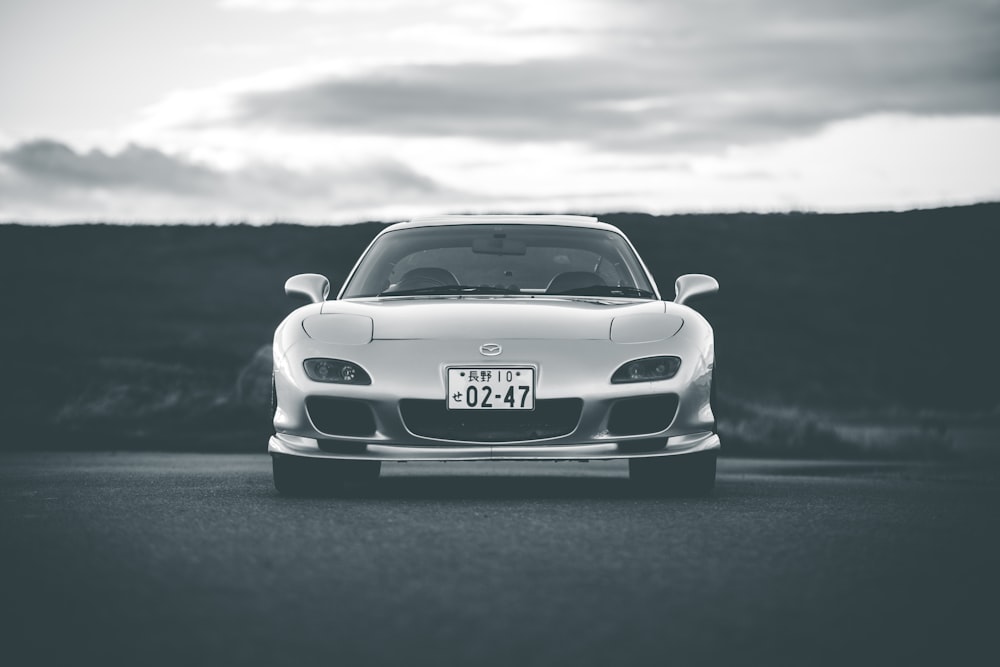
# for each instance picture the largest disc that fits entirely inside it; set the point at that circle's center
(869, 334)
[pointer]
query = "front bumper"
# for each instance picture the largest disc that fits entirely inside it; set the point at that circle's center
(294, 445)
(406, 371)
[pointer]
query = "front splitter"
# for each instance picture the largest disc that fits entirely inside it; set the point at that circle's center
(293, 445)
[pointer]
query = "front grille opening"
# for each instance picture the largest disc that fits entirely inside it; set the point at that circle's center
(644, 414)
(341, 416)
(551, 418)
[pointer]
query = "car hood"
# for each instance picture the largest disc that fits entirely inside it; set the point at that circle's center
(460, 318)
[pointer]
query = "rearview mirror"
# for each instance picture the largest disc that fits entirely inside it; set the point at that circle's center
(313, 286)
(498, 245)
(692, 284)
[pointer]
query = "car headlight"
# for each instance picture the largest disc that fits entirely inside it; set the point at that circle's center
(335, 370)
(647, 370)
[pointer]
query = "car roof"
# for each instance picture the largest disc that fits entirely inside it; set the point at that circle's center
(557, 220)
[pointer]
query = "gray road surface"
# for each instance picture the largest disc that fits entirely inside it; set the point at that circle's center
(186, 559)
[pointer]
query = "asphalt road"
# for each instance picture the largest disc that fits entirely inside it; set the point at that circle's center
(180, 559)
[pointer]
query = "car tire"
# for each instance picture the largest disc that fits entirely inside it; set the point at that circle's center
(301, 476)
(679, 475)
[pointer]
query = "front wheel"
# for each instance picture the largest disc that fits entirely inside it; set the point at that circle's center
(303, 476)
(679, 475)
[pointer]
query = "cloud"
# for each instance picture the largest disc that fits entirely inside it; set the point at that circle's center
(537, 100)
(393, 108)
(49, 162)
(678, 76)
(48, 180)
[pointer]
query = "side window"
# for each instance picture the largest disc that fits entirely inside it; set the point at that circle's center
(614, 269)
(610, 273)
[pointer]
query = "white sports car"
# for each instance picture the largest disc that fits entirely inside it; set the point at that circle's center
(491, 337)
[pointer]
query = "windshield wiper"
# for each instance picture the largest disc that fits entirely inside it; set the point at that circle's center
(607, 290)
(450, 289)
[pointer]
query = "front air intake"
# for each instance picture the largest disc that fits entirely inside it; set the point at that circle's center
(551, 418)
(341, 416)
(643, 414)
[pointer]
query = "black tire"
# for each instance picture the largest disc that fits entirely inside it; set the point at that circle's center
(302, 476)
(679, 475)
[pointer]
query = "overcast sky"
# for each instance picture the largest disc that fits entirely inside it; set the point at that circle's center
(343, 110)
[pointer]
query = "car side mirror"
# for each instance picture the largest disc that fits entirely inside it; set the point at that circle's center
(691, 285)
(313, 286)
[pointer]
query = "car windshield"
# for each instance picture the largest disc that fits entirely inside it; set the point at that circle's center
(500, 259)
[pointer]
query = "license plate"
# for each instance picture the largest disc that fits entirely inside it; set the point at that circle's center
(491, 388)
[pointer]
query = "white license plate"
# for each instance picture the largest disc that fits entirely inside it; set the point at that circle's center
(491, 388)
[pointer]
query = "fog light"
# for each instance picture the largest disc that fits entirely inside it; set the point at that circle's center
(335, 370)
(647, 370)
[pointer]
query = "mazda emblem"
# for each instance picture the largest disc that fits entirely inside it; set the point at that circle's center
(490, 349)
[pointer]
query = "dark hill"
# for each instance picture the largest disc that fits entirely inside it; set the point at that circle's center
(868, 334)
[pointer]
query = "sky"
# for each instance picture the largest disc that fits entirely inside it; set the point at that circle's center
(329, 111)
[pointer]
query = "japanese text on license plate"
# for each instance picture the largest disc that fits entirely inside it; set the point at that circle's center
(491, 388)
